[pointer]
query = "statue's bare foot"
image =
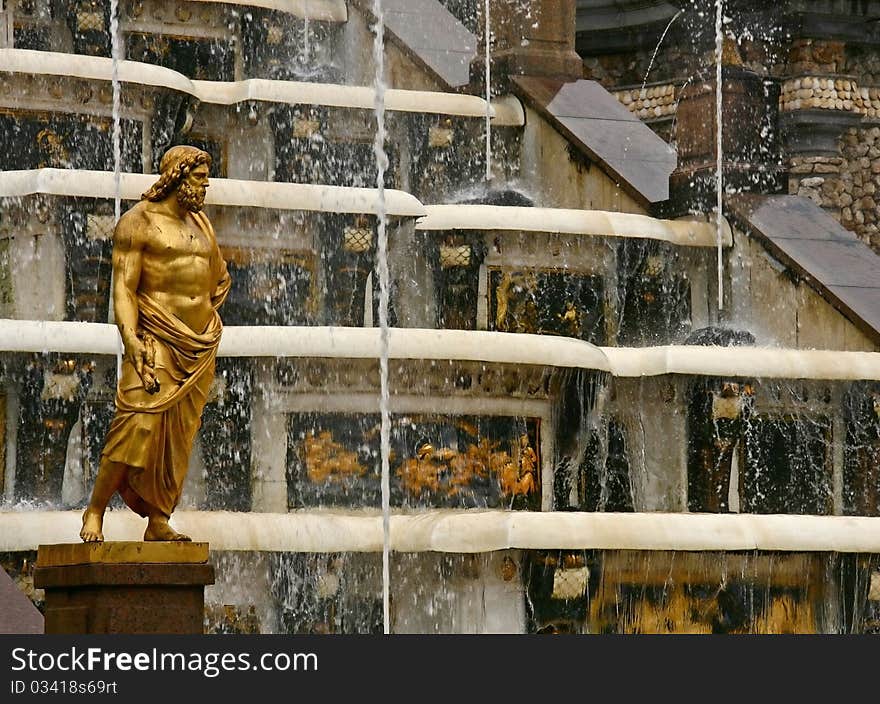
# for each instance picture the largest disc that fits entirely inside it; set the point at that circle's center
(159, 529)
(93, 524)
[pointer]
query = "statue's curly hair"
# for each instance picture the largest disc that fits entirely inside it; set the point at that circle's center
(176, 163)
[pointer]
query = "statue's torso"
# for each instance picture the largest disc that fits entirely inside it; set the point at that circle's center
(178, 268)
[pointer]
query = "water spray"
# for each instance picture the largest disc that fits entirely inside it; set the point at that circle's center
(382, 257)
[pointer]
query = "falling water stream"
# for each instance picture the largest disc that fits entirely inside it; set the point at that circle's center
(116, 54)
(486, 41)
(657, 49)
(307, 50)
(719, 176)
(115, 50)
(382, 255)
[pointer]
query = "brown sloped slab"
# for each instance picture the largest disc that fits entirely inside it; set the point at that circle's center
(788, 217)
(434, 36)
(586, 99)
(597, 124)
(17, 613)
(830, 258)
(839, 262)
(863, 299)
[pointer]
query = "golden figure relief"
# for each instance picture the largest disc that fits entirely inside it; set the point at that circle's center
(169, 281)
(422, 473)
(52, 144)
(502, 302)
(520, 478)
(730, 55)
(547, 301)
(570, 320)
(327, 460)
(787, 614)
(515, 306)
(443, 471)
(157, 45)
(476, 461)
(686, 613)
(692, 593)
(432, 470)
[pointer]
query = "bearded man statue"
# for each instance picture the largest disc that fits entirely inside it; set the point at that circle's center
(169, 279)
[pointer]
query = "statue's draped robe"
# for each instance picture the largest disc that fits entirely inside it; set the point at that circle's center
(153, 433)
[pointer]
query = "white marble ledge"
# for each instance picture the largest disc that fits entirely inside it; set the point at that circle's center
(505, 111)
(743, 362)
(683, 232)
(466, 531)
(471, 345)
(222, 191)
(323, 342)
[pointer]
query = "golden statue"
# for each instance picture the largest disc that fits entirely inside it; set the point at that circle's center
(169, 280)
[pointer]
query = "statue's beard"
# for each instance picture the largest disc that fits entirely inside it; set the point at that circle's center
(191, 197)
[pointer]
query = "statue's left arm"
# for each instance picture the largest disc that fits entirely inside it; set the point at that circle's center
(224, 281)
(223, 284)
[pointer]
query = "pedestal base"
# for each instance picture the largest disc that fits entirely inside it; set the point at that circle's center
(124, 587)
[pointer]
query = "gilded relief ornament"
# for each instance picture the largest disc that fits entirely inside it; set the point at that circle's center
(327, 460)
(51, 144)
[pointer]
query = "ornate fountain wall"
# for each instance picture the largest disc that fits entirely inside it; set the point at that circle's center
(537, 321)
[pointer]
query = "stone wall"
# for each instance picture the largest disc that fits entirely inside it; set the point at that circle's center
(859, 201)
(823, 83)
(828, 77)
(846, 186)
(671, 64)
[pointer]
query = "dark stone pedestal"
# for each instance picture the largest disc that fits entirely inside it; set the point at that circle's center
(124, 587)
